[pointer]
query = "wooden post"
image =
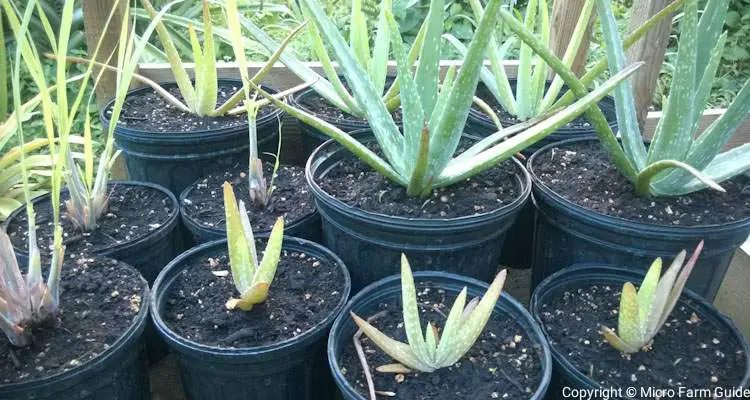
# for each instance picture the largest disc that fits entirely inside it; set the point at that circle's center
(651, 49)
(565, 14)
(95, 15)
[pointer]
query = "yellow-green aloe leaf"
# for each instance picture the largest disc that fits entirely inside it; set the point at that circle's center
(611, 337)
(474, 324)
(451, 329)
(378, 67)
(646, 295)
(242, 265)
(359, 40)
(426, 76)
(207, 91)
(400, 352)
(412, 324)
(679, 284)
(272, 254)
(628, 322)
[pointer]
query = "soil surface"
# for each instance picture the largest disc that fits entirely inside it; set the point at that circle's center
(291, 198)
(356, 184)
(148, 111)
(689, 351)
(132, 213)
(99, 300)
(304, 292)
(583, 175)
(504, 363)
(317, 105)
(508, 119)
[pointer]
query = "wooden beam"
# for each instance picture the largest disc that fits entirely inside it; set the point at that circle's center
(651, 49)
(565, 15)
(95, 15)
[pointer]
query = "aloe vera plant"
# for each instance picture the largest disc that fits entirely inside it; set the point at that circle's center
(252, 277)
(26, 300)
(426, 351)
(434, 114)
(644, 312)
(678, 161)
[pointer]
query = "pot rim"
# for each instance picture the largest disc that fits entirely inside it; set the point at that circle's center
(166, 279)
(136, 326)
(392, 283)
(522, 175)
(602, 219)
(588, 273)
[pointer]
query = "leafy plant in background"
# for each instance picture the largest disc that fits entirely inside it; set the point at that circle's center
(644, 312)
(428, 351)
(26, 301)
(434, 115)
(679, 160)
(252, 278)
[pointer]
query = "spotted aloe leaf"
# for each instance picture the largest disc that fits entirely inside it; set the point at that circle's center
(643, 313)
(251, 278)
(427, 351)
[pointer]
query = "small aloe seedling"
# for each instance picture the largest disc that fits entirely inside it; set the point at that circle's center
(429, 352)
(643, 313)
(252, 279)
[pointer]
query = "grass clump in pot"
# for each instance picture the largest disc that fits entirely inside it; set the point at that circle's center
(643, 313)
(252, 277)
(434, 114)
(429, 351)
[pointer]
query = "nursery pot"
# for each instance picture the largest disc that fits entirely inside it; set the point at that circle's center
(120, 372)
(517, 248)
(307, 227)
(366, 302)
(290, 369)
(567, 234)
(371, 243)
(176, 159)
(565, 374)
(148, 253)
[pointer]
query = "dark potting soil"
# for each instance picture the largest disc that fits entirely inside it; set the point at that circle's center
(504, 363)
(133, 211)
(99, 300)
(304, 292)
(508, 119)
(356, 184)
(688, 351)
(317, 105)
(291, 198)
(583, 175)
(148, 111)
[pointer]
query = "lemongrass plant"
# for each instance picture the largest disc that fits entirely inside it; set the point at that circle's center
(675, 163)
(27, 300)
(87, 184)
(252, 277)
(643, 312)
(422, 158)
(530, 99)
(427, 351)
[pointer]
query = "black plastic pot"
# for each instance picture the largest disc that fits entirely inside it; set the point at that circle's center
(176, 159)
(292, 369)
(517, 248)
(121, 372)
(567, 234)
(312, 137)
(371, 244)
(307, 227)
(578, 276)
(367, 300)
(148, 254)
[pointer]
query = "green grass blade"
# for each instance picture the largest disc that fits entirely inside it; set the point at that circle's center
(627, 118)
(672, 138)
(380, 120)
